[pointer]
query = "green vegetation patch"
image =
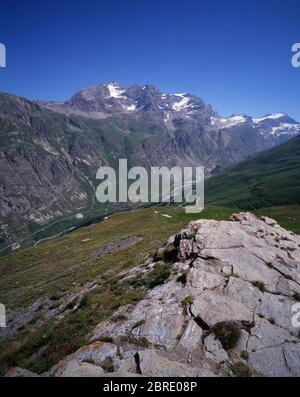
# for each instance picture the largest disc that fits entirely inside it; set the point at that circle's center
(228, 334)
(241, 370)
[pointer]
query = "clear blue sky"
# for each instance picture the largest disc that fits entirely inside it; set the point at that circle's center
(236, 55)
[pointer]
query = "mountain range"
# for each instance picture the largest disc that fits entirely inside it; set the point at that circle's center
(50, 151)
(109, 99)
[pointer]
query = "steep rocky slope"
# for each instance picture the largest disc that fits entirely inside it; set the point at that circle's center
(221, 304)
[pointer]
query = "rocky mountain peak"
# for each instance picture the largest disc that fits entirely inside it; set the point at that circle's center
(106, 99)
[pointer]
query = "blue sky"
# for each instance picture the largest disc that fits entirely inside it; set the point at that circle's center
(236, 55)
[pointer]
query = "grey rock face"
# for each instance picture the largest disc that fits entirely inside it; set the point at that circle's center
(152, 364)
(173, 331)
(214, 350)
(20, 373)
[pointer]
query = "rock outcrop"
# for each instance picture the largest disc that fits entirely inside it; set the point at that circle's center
(226, 308)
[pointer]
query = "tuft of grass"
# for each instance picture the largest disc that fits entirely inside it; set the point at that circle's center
(156, 277)
(245, 355)
(187, 301)
(159, 275)
(241, 370)
(108, 365)
(120, 317)
(168, 254)
(89, 361)
(227, 333)
(260, 285)
(138, 342)
(107, 339)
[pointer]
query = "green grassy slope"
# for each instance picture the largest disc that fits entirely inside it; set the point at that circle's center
(56, 267)
(270, 179)
(61, 266)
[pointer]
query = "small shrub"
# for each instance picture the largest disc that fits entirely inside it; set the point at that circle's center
(272, 321)
(227, 333)
(138, 281)
(108, 365)
(168, 254)
(245, 355)
(241, 370)
(139, 342)
(89, 361)
(260, 285)
(143, 342)
(158, 275)
(187, 301)
(106, 339)
(120, 317)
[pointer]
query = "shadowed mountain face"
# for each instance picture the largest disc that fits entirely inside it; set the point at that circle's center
(50, 152)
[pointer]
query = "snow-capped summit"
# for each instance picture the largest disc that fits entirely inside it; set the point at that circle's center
(171, 110)
(278, 125)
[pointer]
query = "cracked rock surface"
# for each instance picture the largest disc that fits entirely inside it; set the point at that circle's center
(244, 272)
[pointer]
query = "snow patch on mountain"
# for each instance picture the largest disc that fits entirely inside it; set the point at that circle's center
(182, 104)
(269, 117)
(115, 91)
(229, 121)
(286, 129)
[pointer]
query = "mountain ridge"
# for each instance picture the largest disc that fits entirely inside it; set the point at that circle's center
(133, 99)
